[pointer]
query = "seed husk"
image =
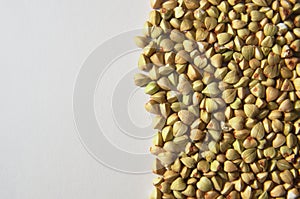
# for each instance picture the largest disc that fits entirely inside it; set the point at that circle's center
(151, 88)
(191, 4)
(144, 63)
(268, 42)
(155, 4)
(182, 140)
(197, 135)
(279, 140)
(186, 24)
(250, 142)
(237, 123)
(178, 185)
(152, 107)
(165, 187)
(247, 177)
(231, 78)
(251, 110)
(291, 140)
(270, 29)
(293, 193)
(258, 91)
(158, 122)
(188, 162)
(141, 79)
(204, 184)
(211, 105)
(177, 36)
(217, 183)
(178, 12)
(164, 83)
(247, 193)
(182, 57)
(229, 95)
(228, 186)
(260, 2)
(261, 177)
(203, 166)
(256, 15)
(224, 38)
(238, 24)
(249, 155)
(189, 191)
(169, 5)
(167, 134)
(167, 45)
(210, 23)
(270, 152)
(230, 167)
(156, 194)
(141, 41)
(248, 52)
(157, 59)
(153, 73)
(297, 84)
(272, 94)
(193, 73)
(216, 60)
(278, 191)
(287, 177)
(171, 147)
(184, 86)
(286, 106)
(258, 131)
(165, 70)
(166, 158)
(211, 90)
(179, 129)
(295, 45)
(186, 117)
(189, 46)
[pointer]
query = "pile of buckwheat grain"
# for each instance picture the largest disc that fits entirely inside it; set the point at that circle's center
(224, 83)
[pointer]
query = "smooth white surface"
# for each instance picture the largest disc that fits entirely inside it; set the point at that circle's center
(43, 43)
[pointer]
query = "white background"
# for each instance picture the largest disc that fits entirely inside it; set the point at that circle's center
(43, 44)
